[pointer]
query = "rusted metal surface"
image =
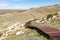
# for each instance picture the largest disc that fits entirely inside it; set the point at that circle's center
(50, 31)
(28, 23)
(53, 33)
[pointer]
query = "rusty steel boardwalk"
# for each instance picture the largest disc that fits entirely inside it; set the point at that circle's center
(50, 31)
(53, 33)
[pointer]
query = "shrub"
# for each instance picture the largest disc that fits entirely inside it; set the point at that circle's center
(0, 34)
(49, 16)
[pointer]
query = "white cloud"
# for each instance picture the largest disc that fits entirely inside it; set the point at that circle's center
(12, 0)
(3, 5)
(18, 0)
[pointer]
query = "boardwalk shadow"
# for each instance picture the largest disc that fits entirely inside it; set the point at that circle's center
(39, 31)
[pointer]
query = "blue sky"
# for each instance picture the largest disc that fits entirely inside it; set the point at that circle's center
(26, 4)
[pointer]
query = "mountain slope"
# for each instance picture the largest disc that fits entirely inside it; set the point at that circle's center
(47, 9)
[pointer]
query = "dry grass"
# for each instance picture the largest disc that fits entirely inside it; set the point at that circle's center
(8, 18)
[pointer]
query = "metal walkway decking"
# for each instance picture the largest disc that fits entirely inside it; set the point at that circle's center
(53, 33)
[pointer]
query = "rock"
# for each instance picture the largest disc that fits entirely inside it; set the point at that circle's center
(18, 33)
(22, 24)
(37, 21)
(42, 22)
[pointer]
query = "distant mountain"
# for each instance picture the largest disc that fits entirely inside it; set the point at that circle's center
(11, 11)
(44, 10)
(47, 9)
(40, 11)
